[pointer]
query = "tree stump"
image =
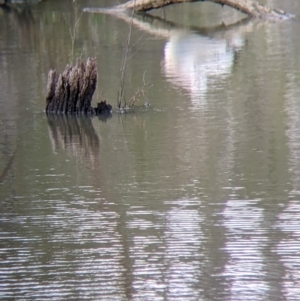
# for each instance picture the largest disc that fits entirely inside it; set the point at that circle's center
(71, 92)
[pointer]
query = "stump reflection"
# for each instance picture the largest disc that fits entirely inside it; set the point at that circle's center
(76, 135)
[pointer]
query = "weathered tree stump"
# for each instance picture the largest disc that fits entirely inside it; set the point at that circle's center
(71, 92)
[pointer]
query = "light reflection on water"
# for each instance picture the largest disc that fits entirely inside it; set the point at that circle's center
(69, 250)
(193, 62)
(183, 238)
(191, 202)
(245, 241)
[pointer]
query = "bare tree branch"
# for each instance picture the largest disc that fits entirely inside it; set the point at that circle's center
(249, 7)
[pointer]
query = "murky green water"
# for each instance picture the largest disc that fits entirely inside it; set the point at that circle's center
(195, 197)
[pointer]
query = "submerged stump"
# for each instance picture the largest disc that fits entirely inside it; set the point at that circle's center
(103, 108)
(71, 92)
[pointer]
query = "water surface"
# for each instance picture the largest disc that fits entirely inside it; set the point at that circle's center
(194, 197)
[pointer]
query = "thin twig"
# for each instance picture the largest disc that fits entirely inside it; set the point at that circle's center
(74, 29)
(123, 66)
(140, 92)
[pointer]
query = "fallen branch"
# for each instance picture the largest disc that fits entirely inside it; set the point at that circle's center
(249, 7)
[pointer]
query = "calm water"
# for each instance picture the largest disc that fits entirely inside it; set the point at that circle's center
(195, 197)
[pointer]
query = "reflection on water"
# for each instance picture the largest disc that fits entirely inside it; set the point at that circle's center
(288, 220)
(196, 59)
(193, 61)
(245, 242)
(63, 250)
(75, 134)
(289, 247)
(184, 239)
(177, 202)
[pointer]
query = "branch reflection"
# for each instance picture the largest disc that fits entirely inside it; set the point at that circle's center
(195, 57)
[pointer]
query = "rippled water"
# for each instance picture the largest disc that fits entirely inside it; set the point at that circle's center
(194, 197)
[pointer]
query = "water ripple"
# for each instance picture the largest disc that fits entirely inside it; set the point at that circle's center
(243, 221)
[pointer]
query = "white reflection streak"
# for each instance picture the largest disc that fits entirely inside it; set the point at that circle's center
(289, 249)
(293, 133)
(289, 219)
(183, 239)
(146, 253)
(192, 60)
(245, 267)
